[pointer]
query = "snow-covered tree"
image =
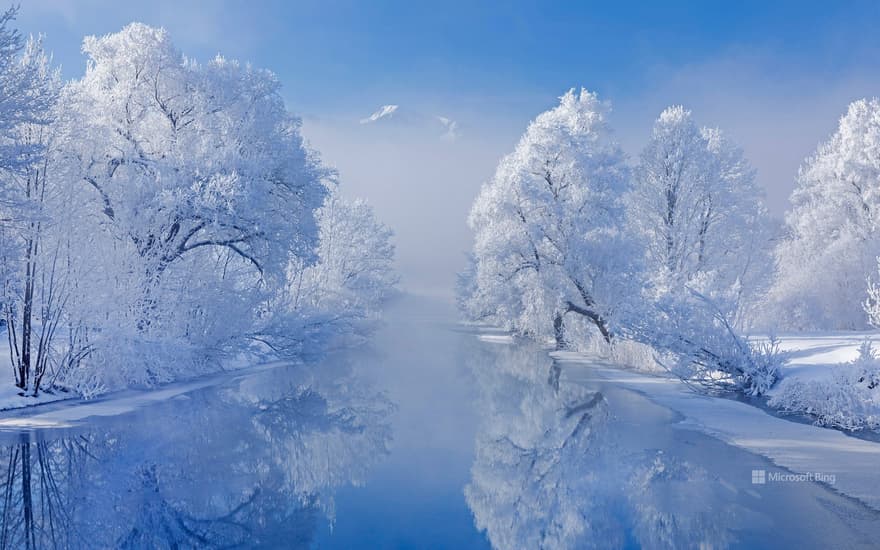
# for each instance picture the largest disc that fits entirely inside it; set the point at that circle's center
(549, 239)
(706, 234)
(340, 296)
(159, 215)
(23, 95)
(354, 273)
(186, 160)
(33, 294)
(700, 212)
(872, 302)
(832, 234)
(159, 207)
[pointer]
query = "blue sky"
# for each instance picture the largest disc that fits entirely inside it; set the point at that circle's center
(334, 55)
(775, 75)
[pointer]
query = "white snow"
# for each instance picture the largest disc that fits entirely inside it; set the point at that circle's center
(385, 111)
(815, 355)
(496, 338)
(72, 411)
(833, 378)
(10, 397)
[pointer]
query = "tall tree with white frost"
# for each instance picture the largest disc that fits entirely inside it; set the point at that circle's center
(191, 164)
(700, 212)
(549, 240)
(165, 215)
(668, 263)
(706, 233)
(355, 254)
(833, 236)
(32, 296)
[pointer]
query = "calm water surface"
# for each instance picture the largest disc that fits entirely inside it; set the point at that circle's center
(431, 438)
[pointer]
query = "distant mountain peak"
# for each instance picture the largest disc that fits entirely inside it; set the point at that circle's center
(386, 111)
(395, 116)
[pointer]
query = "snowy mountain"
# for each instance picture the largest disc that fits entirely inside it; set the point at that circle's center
(393, 116)
(384, 112)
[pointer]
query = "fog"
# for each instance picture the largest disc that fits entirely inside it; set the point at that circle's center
(419, 184)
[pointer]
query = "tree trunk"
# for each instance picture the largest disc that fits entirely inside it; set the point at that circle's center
(559, 330)
(597, 320)
(26, 497)
(587, 311)
(24, 367)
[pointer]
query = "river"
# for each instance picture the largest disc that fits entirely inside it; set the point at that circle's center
(433, 436)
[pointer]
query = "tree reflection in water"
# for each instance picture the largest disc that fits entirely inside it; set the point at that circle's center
(556, 466)
(39, 478)
(255, 463)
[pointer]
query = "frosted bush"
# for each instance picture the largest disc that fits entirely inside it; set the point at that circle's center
(696, 341)
(762, 366)
(850, 399)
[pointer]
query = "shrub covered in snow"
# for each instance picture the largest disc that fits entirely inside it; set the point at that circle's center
(695, 340)
(850, 399)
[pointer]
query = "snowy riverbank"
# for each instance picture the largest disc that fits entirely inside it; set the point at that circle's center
(68, 410)
(798, 447)
(832, 378)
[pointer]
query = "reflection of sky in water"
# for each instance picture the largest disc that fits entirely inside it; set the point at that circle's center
(469, 441)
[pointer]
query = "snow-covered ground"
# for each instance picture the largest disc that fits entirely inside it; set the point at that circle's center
(11, 398)
(814, 356)
(74, 410)
(832, 378)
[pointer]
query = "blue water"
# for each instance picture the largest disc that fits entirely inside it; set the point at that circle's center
(428, 438)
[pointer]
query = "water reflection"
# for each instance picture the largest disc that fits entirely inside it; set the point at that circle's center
(39, 483)
(253, 464)
(556, 468)
(533, 436)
